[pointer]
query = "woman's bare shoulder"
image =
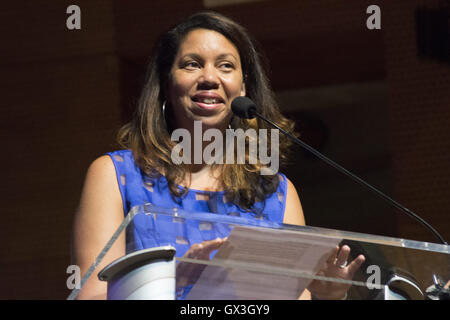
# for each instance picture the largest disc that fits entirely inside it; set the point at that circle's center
(101, 166)
(293, 213)
(101, 187)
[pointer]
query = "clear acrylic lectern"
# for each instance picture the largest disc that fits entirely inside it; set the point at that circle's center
(257, 259)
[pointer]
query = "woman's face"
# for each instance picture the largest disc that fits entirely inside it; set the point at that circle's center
(205, 78)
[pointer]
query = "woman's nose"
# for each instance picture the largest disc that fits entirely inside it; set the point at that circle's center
(209, 77)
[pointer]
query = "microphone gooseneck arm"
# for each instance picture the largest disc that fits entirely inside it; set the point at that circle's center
(352, 176)
(250, 112)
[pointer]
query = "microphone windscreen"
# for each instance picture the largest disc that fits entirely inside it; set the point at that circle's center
(243, 107)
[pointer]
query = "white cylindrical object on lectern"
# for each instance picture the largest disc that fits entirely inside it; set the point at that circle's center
(148, 274)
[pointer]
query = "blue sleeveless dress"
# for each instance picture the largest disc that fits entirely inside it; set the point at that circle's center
(136, 188)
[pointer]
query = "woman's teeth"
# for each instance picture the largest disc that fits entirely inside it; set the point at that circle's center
(209, 101)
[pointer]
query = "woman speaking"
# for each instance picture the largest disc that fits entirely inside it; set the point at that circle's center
(198, 68)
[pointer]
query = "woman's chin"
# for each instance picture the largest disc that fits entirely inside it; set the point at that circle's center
(212, 118)
(212, 122)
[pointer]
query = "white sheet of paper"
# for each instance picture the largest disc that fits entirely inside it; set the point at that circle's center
(263, 258)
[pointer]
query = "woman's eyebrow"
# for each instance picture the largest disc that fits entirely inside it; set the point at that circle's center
(197, 56)
(226, 55)
(192, 55)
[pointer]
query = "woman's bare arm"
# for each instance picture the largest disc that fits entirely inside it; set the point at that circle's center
(293, 214)
(98, 216)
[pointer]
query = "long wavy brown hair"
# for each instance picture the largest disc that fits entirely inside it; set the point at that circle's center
(149, 137)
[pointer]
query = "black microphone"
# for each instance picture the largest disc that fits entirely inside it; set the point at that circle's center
(244, 107)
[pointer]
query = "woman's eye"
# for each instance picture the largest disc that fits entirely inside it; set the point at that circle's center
(227, 66)
(191, 65)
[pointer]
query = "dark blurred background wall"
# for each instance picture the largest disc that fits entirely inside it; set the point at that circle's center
(365, 98)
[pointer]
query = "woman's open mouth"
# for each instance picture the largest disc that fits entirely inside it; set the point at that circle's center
(207, 101)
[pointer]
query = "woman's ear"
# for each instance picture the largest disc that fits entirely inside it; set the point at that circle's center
(163, 91)
(165, 86)
(243, 92)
